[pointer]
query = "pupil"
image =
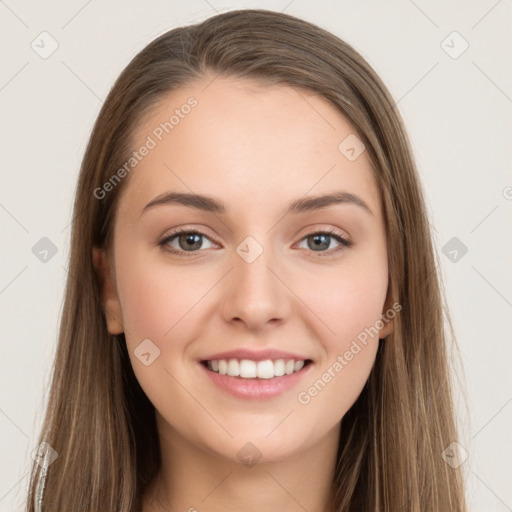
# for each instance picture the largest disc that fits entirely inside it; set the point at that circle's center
(318, 241)
(190, 240)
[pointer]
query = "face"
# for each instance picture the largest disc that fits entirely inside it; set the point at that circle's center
(255, 276)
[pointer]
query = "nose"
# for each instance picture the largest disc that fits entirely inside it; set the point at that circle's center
(255, 294)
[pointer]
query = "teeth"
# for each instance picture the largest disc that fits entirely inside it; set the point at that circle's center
(248, 369)
(233, 368)
(265, 369)
(279, 368)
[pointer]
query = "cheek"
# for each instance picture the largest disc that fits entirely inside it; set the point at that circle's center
(347, 315)
(351, 308)
(346, 300)
(338, 384)
(157, 299)
(161, 304)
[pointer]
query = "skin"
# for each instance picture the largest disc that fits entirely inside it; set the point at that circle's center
(255, 148)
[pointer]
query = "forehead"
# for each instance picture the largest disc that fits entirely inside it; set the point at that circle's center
(256, 141)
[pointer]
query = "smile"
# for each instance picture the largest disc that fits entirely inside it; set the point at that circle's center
(248, 369)
(256, 379)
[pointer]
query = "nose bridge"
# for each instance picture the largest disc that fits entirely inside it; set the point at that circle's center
(255, 295)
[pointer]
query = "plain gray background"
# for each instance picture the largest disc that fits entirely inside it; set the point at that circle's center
(457, 109)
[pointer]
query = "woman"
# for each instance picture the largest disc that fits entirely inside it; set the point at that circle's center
(253, 316)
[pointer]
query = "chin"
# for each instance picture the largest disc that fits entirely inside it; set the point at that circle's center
(250, 450)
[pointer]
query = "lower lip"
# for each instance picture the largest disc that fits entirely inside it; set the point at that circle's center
(257, 388)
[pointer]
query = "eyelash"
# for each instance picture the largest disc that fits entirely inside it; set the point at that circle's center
(345, 243)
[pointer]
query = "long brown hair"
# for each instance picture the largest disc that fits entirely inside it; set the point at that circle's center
(99, 421)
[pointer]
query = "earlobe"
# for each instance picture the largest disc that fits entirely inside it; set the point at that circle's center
(387, 329)
(109, 298)
(387, 317)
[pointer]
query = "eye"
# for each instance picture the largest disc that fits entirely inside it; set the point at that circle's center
(187, 240)
(190, 241)
(322, 240)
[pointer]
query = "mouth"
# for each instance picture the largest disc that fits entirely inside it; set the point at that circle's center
(255, 380)
(247, 369)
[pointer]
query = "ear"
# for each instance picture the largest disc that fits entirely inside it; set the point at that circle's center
(109, 298)
(387, 319)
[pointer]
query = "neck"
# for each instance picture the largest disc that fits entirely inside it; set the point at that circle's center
(193, 479)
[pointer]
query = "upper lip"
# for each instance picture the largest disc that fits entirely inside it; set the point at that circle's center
(260, 355)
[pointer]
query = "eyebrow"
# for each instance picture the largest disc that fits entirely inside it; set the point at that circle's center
(210, 204)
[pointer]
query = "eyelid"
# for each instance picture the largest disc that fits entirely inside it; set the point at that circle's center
(186, 229)
(327, 229)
